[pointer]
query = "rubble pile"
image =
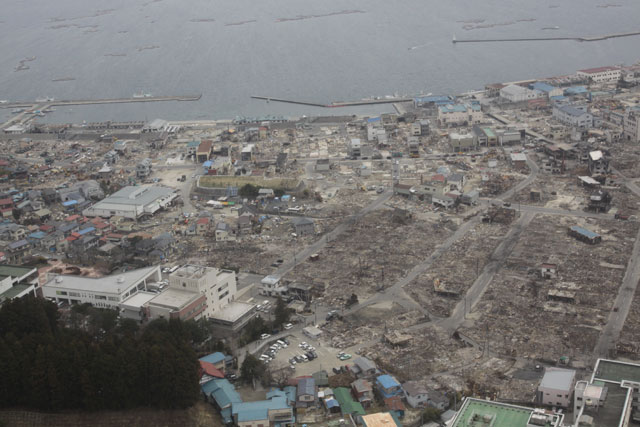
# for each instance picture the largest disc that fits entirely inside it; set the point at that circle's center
(371, 255)
(522, 314)
(441, 287)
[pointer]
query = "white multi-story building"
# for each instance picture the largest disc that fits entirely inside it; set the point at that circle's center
(631, 125)
(515, 93)
(219, 286)
(101, 292)
(556, 387)
(601, 74)
(459, 114)
(573, 115)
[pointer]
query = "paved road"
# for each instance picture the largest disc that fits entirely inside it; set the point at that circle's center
(315, 247)
(611, 331)
(562, 212)
(497, 260)
(396, 292)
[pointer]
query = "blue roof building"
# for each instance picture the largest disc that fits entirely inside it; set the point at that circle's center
(434, 99)
(86, 231)
(306, 392)
(38, 235)
(453, 108)
(584, 234)
(575, 90)
(214, 358)
(388, 386)
(275, 411)
(223, 395)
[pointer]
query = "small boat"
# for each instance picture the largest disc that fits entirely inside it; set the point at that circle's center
(142, 95)
(17, 110)
(45, 99)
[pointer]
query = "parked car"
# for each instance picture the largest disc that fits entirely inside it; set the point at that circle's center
(288, 326)
(264, 336)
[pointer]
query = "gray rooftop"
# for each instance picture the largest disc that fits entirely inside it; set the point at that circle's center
(558, 379)
(131, 195)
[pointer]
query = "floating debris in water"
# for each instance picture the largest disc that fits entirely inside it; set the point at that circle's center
(239, 23)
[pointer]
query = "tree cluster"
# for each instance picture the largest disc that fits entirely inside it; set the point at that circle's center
(109, 366)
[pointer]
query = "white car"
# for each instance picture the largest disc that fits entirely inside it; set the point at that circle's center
(288, 326)
(264, 336)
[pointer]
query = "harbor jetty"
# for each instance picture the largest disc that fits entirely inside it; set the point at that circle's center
(529, 39)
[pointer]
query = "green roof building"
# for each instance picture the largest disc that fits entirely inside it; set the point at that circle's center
(484, 413)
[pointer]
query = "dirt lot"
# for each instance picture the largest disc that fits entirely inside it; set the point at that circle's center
(457, 269)
(518, 317)
(200, 415)
(372, 254)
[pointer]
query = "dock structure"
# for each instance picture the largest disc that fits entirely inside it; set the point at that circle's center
(43, 105)
(62, 102)
(336, 104)
(529, 39)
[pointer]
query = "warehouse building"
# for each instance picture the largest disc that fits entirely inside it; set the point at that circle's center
(133, 202)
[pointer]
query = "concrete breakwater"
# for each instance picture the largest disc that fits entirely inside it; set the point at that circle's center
(527, 39)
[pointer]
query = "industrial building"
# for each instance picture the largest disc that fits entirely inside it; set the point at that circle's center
(515, 93)
(133, 202)
(601, 74)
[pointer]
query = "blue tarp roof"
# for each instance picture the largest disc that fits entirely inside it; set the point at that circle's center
(387, 381)
(207, 164)
(373, 119)
(38, 235)
(70, 203)
(214, 358)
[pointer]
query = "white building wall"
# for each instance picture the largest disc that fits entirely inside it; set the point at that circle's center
(602, 76)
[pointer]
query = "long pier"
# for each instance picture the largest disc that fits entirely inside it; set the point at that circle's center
(528, 39)
(336, 104)
(62, 102)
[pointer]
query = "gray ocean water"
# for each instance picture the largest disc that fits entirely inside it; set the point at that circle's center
(321, 51)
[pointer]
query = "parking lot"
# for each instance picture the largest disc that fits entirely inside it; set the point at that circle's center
(327, 356)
